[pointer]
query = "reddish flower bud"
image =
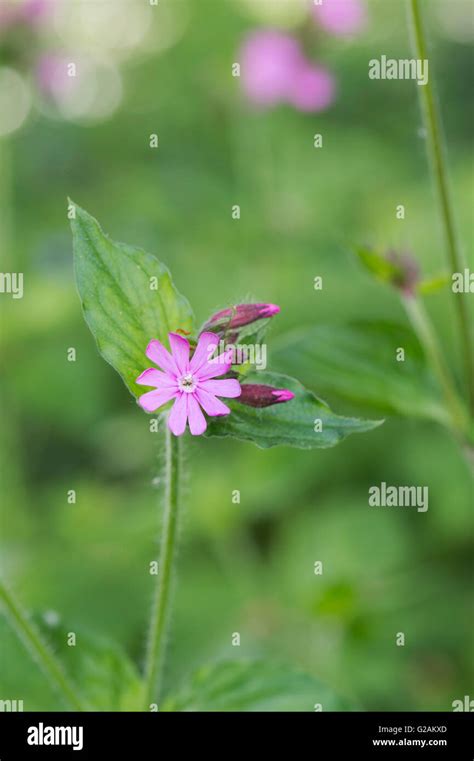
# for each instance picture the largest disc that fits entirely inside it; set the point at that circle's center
(406, 274)
(258, 395)
(239, 315)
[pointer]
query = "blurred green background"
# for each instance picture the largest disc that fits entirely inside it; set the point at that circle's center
(244, 568)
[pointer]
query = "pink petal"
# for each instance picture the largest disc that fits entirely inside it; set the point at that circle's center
(152, 377)
(213, 371)
(178, 415)
(210, 403)
(206, 346)
(228, 387)
(217, 366)
(154, 399)
(180, 351)
(161, 357)
(197, 421)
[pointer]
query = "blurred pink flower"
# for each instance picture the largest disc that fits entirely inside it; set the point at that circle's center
(313, 89)
(341, 17)
(269, 62)
(8, 15)
(26, 12)
(51, 74)
(35, 10)
(274, 70)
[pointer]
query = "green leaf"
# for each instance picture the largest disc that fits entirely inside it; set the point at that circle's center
(433, 284)
(358, 363)
(106, 679)
(250, 686)
(378, 266)
(291, 423)
(128, 298)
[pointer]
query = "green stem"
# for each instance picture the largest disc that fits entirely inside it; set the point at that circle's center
(427, 337)
(6, 213)
(39, 650)
(437, 159)
(161, 602)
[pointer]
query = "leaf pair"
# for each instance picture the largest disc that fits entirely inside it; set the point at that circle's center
(128, 298)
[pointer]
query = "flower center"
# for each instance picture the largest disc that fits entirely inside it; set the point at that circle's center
(187, 383)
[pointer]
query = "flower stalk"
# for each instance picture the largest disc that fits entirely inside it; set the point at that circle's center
(161, 603)
(427, 336)
(437, 160)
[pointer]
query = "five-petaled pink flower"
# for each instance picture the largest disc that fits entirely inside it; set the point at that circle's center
(190, 381)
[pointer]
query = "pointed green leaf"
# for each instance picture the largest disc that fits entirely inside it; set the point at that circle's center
(359, 363)
(291, 423)
(433, 284)
(250, 686)
(378, 266)
(128, 298)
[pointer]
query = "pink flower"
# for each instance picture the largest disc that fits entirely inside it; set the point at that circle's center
(34, 10)
(51, 74)
(189, 381)
(341, 17)
(313, 89)
(270, 60)
(29, 12)
(274, 70)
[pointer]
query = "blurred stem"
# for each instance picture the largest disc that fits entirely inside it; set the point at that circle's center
(427, 336)
(39, 650)
(437, 160)
(161, 602)
(5, 205)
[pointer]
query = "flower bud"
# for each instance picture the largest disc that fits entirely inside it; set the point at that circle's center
(406, 273)
(400, 270)
(258, 395)
(237, 316)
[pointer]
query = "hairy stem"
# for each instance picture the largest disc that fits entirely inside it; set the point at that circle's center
(161, 602)
(40, 650)
(437, 160)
